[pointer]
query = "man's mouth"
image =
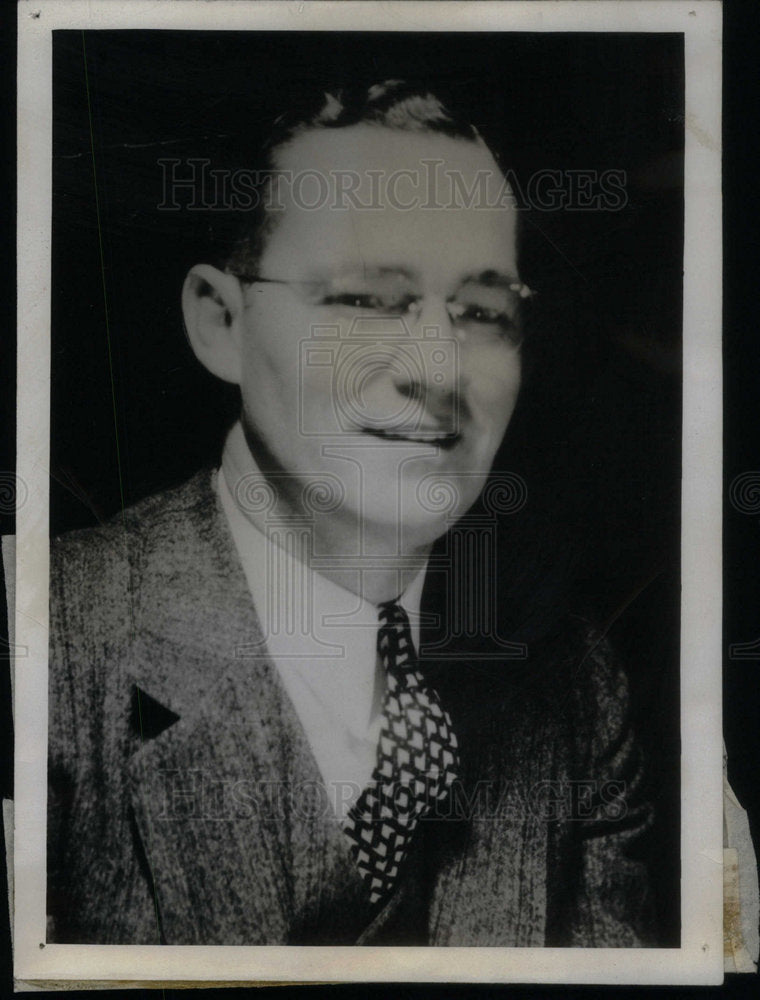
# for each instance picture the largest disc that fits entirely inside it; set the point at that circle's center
(419, 436)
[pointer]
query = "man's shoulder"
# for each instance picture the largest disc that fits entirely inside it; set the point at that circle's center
(93, 568)
(168, 511)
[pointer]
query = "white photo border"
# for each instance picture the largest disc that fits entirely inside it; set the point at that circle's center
(700, 957)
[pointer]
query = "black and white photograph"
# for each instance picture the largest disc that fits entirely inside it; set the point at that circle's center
(373, 535)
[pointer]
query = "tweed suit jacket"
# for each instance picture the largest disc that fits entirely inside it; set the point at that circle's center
(178, 772)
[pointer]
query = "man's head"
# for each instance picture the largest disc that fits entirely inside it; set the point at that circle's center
(370, 317)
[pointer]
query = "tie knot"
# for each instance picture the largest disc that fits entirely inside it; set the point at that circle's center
(395, 646)
(391, 613)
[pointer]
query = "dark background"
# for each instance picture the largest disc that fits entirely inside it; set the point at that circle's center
(89, 471)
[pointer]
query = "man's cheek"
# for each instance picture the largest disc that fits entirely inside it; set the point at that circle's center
(492, 372)
(495, 401)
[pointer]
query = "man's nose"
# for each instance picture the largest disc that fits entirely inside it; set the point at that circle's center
(435, 379)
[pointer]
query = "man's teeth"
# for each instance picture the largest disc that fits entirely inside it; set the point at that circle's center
(413, 435)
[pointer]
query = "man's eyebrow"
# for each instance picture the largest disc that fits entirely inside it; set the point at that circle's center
(491, 278)
(377, 270)
(488, 277)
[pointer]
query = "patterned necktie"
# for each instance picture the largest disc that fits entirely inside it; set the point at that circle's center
(417, 761)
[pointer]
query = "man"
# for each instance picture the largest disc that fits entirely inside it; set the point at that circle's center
(248, 742)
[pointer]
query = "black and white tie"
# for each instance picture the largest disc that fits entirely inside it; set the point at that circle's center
(417, 761)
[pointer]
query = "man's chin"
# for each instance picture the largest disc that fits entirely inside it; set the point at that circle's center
(420, 512)
(407, 536)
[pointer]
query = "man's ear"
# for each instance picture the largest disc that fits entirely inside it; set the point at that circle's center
(212, 305)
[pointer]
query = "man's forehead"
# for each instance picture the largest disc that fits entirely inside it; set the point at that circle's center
(391, 168)
(389, 197)
(367, 146)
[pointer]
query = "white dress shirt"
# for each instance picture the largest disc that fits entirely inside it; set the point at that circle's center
(323, 641)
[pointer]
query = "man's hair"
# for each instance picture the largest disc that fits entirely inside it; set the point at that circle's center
(400, 105)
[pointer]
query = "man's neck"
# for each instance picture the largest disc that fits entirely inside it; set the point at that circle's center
(357, 557)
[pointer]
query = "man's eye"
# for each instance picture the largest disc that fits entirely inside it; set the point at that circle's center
(482, 314)
(354, 300)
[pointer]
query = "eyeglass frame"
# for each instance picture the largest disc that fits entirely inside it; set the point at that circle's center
(415, 305)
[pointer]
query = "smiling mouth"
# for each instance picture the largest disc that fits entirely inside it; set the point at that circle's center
(440, 438)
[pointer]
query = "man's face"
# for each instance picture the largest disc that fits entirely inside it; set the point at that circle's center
(404, 409)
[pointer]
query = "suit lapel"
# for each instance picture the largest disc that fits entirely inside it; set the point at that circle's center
(217, 847)
(206, 799)
(234, 856)
(191, 612)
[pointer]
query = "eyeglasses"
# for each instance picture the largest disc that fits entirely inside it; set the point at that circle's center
(486, 308)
